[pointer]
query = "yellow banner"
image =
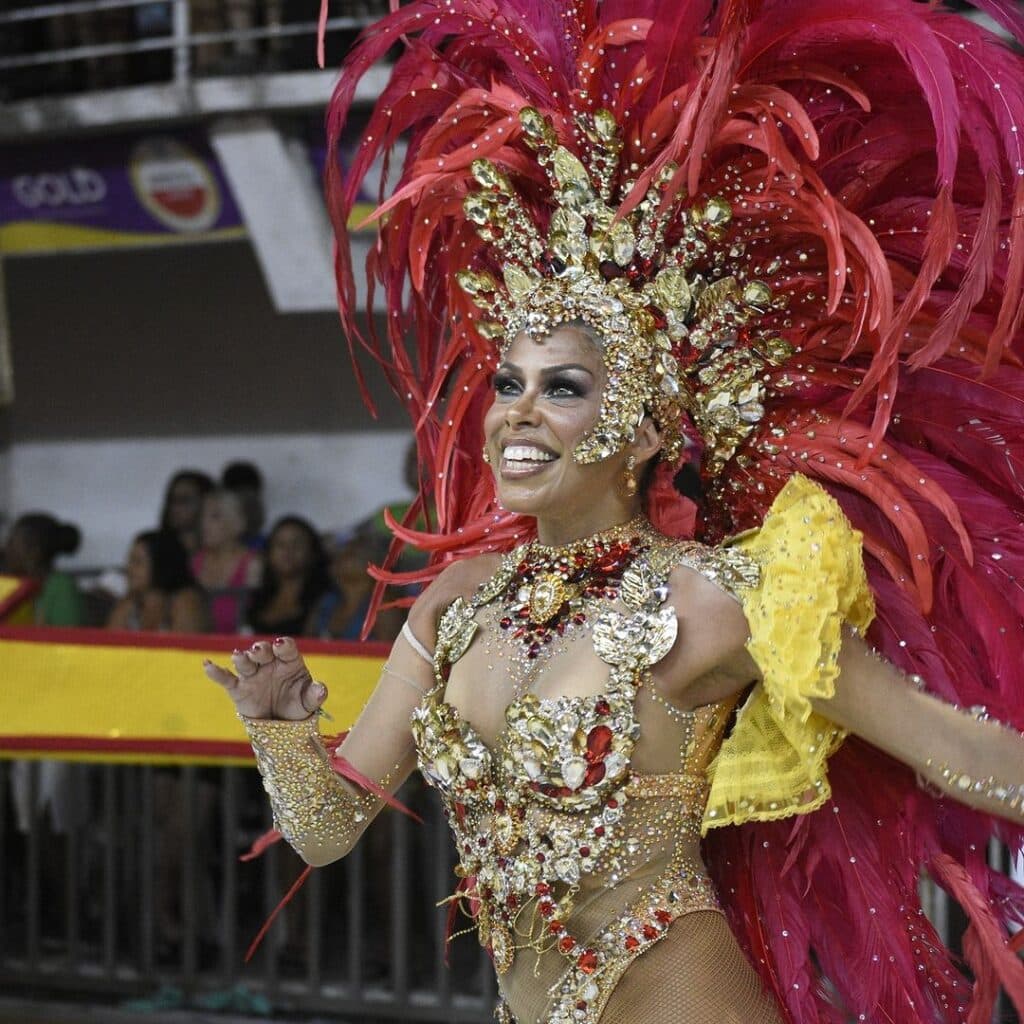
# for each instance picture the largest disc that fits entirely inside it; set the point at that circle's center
(82, 694)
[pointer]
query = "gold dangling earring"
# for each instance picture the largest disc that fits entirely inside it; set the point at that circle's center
(629, 482)
(485, 455)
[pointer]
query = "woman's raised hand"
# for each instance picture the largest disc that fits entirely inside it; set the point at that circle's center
(272, 681)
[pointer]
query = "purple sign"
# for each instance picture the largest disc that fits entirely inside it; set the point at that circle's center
(139, 189)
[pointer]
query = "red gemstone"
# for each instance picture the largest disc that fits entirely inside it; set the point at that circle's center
(506, 622)
(602, 707)
(632, 942)
(542, 889)
(512, 901)
(595, 773)
(599, 830)
(663, 916)
(499, 805)
(612, 803)
(566, 944)
(650, 932)
(599, 741)
(587, 962)
(584, 851)
(546, 907)
(555, 927)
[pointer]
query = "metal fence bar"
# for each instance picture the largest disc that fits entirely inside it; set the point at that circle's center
(109, 870)
(32, 890)
(189, 877)
(175, 41)
(355, 864)
(182, 59)
(147, 874)
(314, 924)
(71, 893)
(88, 919)
(400, 906)
(38, 11)
(229, 954)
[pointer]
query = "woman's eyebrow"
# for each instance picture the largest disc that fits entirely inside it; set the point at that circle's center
(550, 371)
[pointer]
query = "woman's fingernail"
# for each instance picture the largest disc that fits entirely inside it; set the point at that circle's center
(319, 691)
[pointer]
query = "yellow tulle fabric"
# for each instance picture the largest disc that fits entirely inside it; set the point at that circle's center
(774, 764)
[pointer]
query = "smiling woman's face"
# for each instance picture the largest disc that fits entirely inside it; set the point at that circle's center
(547, 397)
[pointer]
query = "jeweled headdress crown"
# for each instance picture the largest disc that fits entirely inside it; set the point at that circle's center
(668, 314)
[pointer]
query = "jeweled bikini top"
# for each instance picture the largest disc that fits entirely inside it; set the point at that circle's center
(538, 813)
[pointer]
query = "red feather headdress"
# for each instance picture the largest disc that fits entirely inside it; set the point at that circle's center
(880, 162)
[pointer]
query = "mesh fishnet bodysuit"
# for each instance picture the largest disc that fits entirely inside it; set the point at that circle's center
(642, 903)
(647, 942)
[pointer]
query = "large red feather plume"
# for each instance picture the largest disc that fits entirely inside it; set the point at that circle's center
(879, 153)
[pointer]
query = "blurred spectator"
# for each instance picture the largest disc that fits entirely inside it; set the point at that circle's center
(34, 543)
(295, 578)
(183, 502)
(342, 611)
(246, 481)
(162, 594)
(223, 566)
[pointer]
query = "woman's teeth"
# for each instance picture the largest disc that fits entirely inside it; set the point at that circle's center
(521, 453)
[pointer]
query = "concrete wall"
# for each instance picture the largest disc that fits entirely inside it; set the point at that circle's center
(129, 365)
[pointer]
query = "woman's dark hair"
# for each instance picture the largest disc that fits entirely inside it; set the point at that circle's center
(317, 581)
(49, 537)
(203, 484)
(168, 560)
(688, 483)
(241, 476)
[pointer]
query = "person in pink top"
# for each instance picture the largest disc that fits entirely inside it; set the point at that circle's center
(223, 566)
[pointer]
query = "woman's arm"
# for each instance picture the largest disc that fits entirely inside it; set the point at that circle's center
(961, 752)
(318, 811)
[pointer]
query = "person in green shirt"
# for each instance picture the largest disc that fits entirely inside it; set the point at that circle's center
(35, 542)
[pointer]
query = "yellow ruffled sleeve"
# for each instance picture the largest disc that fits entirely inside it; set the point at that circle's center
(774, 763)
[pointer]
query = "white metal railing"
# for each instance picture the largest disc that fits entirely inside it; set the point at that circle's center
(179, 39)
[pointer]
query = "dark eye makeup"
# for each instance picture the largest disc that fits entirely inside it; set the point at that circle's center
(560, 385)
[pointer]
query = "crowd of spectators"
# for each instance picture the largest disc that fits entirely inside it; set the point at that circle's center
(207, 566)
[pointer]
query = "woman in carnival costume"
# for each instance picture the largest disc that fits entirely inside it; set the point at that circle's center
(695, 760)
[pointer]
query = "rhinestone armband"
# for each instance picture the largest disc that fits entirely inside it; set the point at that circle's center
(312, 807)
(964, 785)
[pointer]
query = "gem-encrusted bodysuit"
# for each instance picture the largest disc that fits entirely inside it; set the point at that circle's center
(574, 860)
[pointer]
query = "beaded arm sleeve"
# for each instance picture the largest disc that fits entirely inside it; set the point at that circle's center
(325, 793)
(314, 810)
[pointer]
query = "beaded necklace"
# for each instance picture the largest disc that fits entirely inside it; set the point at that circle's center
(547, 592)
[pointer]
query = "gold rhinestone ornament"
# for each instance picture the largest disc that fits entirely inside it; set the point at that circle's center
(674, 341)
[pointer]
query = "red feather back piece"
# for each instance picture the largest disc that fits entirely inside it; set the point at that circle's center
(880, 161)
